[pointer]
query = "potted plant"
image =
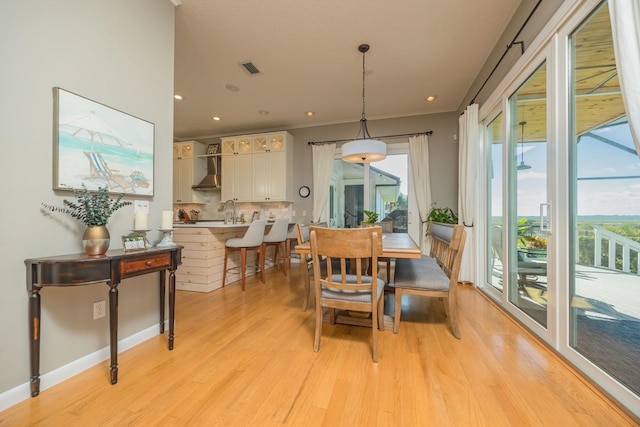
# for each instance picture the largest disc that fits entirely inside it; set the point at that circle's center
(442, 215)
(372, 217)
(94, 209)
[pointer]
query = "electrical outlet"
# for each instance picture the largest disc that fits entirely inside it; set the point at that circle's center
(99, 309)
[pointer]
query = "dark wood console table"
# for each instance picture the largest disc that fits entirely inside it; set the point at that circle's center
(81, 269)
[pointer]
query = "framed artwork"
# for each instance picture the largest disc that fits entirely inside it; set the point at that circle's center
(99, 146)
(134, 243)
(212, 148)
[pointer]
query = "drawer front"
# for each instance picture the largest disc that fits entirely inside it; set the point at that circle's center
(151, 263)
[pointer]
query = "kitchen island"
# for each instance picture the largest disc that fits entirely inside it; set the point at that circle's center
(203, 255)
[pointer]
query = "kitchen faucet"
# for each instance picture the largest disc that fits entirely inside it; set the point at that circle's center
(233, 205)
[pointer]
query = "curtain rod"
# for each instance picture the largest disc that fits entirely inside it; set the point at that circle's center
(509, 46)
(427, 132)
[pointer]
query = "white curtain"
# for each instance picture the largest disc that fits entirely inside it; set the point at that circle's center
(419, 179)
(625, 26)
(469, 130)
(322, 168)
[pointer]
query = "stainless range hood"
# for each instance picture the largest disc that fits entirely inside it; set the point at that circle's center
(212, 180)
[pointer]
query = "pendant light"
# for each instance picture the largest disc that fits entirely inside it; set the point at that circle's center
(522, 166)
(364, 149)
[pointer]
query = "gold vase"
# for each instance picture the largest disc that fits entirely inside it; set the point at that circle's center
(96, 240)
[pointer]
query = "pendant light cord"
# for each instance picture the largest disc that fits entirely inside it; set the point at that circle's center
(363, 48)
(363, 98)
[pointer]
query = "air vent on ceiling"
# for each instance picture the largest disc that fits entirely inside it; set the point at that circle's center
(250, 68)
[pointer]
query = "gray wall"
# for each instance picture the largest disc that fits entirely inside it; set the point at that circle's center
(119, 53)
(443, 152)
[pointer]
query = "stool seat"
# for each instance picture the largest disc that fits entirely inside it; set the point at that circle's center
(252, 240)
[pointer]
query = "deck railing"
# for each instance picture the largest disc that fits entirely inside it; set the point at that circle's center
(614, 240)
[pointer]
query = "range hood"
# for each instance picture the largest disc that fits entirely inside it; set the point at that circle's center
(212, 180)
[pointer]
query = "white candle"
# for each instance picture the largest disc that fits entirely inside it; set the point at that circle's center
(140, 221)
(167, 220)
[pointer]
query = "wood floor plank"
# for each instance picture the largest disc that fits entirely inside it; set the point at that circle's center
(246, 358)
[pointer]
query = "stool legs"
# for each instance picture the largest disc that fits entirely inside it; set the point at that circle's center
(243, 263)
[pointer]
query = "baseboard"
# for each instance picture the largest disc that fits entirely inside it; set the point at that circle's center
(23, 391)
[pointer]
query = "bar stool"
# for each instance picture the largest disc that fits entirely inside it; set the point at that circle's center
(292, 236)
(277, 237)
(252, 240)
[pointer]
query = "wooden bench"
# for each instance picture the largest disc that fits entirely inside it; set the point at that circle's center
(435, 275)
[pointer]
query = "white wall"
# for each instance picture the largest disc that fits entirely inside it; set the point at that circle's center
(116, 52)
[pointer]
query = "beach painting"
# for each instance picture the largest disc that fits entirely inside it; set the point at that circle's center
(99, 146)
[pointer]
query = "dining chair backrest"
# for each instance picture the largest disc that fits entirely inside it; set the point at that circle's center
(340, 246)
(278, 232)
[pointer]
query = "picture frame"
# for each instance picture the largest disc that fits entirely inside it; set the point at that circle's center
(212, 148)
(134, 243)
(99, 146)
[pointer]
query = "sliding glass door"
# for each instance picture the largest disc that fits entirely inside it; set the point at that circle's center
(527, 177)
(562, 202)
(604, 316)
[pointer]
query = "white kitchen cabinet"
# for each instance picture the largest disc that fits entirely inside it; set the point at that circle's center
(237, 177)
(269, 176)
(187, 171)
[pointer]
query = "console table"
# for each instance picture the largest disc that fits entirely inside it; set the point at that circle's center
(81, 269)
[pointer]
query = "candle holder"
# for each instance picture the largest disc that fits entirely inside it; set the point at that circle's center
(166, 241)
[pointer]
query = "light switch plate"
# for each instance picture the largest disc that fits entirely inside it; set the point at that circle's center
(140, 206)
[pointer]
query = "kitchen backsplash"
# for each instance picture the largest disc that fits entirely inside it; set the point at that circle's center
(215, 211)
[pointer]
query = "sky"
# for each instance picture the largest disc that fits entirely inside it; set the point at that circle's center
(594, 159)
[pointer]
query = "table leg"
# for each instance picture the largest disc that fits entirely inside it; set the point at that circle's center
(34, 340)
(163, 281)
(113, 330)
(172, 306)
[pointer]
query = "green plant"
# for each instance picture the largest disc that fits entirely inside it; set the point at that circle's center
(372, 217)
(444, 215)
(92, 208)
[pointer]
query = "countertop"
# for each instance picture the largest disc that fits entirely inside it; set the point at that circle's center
(209, 224)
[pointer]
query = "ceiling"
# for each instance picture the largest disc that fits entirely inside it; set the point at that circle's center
(307, 54)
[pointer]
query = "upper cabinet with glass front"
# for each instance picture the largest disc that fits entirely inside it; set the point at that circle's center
(236, 145)
(270, 142)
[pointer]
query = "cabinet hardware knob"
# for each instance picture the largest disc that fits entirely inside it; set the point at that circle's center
(149, 263)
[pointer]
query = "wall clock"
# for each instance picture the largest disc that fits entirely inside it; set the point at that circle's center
(304, 191)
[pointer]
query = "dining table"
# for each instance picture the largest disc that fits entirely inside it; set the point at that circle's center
(394, 245)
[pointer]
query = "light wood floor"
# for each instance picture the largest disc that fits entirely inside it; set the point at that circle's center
(247, 359)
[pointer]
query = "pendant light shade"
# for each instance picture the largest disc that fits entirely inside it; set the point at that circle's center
(364, 149)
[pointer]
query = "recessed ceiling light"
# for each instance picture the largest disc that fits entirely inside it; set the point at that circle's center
(263, 112)
(178, 97)
(431, 98)
(216, 118)
(232, 88)
(309, 113)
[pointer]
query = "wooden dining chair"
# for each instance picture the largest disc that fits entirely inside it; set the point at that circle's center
(302, 231)
(338, 289)
(435, 275)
